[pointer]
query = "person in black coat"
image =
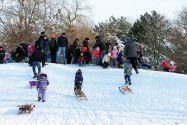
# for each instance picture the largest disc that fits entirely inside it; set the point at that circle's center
(85, 42)
(69, 55)
(20, 54)
(78, 80)
(120, 59)
(38, 43)
(2, 55)
(62, 44)
(36, 59)
(130, 52)
(99, 43)
(45, 50)
(53, 48)
(76, 51)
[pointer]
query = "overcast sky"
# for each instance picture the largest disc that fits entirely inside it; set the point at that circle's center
(132, 9)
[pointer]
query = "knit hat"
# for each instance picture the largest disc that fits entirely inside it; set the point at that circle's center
(42, 33)
(53, 36)
(43, 74)
(114, 47)
(87, 38)
(79, 71)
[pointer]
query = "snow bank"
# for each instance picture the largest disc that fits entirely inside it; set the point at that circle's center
(159, 98)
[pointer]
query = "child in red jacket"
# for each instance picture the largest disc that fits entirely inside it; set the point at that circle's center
(96, 55)
(165, 66)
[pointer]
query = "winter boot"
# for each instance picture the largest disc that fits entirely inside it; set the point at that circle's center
(126, 82)
(39, 98)
(136, 71)
(35, 76)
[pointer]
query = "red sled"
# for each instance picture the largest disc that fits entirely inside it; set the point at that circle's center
(33, 83)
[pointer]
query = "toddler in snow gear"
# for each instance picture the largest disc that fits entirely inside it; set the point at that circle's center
(114, 56)
(78, 85)
(78, 81)
(127, 72)
(165, 66)
(7, 58)
(27, 108)
(42, 86)
(96, 56)
(106, 60)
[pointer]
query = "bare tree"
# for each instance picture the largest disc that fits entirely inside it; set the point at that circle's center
(23, 20)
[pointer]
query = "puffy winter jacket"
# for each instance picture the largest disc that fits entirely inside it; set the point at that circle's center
(96, 53)
(130, 49)
(43, 82)
(106, 58)
(78, 77)
(37, 56)
(62, 41)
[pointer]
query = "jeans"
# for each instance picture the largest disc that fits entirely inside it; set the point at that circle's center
(63, 50)
(114, 63)
(128, 79)
(34, 65)
(103, 52)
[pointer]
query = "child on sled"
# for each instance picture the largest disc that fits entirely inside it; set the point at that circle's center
(127, 73)
(78, 81)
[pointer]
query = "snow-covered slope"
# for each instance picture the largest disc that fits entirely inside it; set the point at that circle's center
(159, 98)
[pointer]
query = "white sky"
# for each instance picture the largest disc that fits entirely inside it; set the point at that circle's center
(132, 9)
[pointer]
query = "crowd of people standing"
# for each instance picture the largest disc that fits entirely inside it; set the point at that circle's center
(57, 50)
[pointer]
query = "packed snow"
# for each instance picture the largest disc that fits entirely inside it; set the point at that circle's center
(159, 98)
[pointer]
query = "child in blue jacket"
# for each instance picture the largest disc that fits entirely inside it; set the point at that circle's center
(78, 80)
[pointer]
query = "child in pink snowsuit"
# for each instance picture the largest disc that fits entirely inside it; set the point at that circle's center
(42, 86)
(30, 50)
(114, 57)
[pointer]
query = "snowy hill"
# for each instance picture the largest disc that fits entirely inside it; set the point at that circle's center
(159, 98)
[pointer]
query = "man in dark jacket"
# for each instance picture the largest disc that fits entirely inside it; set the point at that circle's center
(2, 55)
(45, 49)
(99, 43)
(62, 44)
(20, 53)
(76, 51)
(85, 42)
(53, 48)
(39, 41)
(130, 52)
(37, 58)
